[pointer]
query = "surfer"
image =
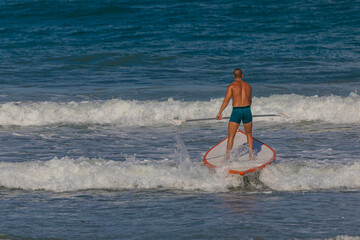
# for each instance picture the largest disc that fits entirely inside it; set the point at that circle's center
(241, 94)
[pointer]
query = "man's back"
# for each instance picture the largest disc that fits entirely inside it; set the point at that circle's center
(241, 93)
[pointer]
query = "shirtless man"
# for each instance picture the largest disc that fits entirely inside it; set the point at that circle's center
(241, 93)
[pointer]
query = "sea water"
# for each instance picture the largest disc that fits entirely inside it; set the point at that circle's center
(88, 87)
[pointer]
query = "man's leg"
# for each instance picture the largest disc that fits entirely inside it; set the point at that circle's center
(232, 131)
(248, 132)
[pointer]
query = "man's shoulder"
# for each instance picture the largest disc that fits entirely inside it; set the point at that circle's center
(232, 84)
(236, 84)
(247, 84)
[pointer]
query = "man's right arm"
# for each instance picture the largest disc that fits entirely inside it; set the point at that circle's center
(225, 102)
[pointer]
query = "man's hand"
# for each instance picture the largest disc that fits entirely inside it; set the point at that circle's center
(219, 117)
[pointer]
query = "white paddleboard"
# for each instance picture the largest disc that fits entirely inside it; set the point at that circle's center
(239, 162)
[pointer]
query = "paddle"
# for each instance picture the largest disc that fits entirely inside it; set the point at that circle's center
(179, 122)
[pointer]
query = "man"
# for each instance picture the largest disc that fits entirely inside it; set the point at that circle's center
(241, 94)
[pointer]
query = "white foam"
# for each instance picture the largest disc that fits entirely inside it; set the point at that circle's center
(333, 109)
(114, 111)
(69, 174)
(344, 237)
(339, 237)
(308, 176)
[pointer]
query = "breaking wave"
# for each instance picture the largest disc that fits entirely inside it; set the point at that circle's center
(332, 109)
(68, 174)
(309, 176)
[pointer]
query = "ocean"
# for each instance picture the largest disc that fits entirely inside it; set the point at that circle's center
(88, 87)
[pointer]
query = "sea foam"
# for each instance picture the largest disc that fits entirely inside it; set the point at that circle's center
(331, 109)
(344, 237)
(309, 176)
(68, 174)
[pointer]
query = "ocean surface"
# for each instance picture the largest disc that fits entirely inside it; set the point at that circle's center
(87, 89)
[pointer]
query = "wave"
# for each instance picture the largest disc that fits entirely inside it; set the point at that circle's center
(331, 109)
(308, 176)
(68, 174)
(344, 237)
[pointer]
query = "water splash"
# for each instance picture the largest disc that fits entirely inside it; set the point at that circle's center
(181, 152)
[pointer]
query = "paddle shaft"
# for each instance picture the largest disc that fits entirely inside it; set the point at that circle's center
(206, 119)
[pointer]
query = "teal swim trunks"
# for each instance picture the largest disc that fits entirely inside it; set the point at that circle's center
(241, 114)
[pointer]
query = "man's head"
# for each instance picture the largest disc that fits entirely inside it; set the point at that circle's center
(238, 73)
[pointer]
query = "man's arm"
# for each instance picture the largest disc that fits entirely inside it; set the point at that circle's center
(225, 102)
(250, 95)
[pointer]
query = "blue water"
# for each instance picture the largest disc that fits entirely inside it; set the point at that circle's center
(88, 87)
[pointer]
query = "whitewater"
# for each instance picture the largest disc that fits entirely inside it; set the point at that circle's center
(69, 174)
(150, 167)
(330, 109)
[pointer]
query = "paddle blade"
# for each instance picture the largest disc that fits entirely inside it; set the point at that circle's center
(284, 115)
(176, 122)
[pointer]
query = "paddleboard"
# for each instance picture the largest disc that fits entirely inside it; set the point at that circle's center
(239, 162)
